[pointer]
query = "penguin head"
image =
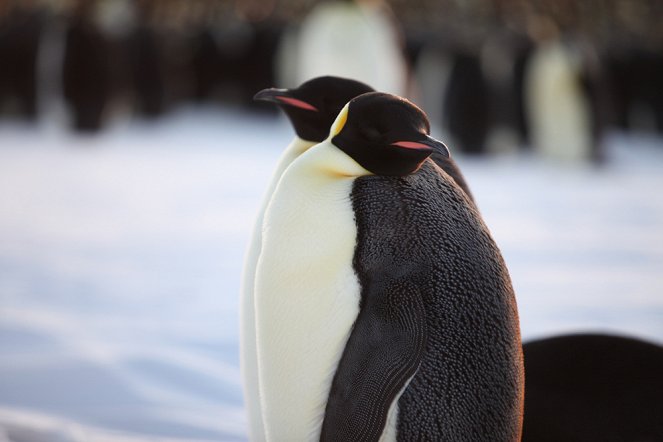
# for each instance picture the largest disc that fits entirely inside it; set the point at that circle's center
(385, 134)
(313, 106)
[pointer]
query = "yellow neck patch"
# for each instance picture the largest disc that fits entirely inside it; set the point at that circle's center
(340, 121)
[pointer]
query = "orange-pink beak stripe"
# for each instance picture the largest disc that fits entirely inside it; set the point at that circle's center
(411, 145)
(297, 103)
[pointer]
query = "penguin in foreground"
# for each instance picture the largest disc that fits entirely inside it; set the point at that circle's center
(384, 309)
(311, 108)
(593, 388)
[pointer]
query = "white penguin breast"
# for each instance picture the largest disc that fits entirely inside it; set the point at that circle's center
(248, 351)
(307, 298)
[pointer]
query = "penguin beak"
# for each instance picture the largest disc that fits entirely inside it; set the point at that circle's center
(283, 96)
(428, 144)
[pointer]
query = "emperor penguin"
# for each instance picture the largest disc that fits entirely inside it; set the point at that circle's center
(86, 68)
(384, 309)
(353, 38)
(311, 108)
(564, 116)
(593, 387)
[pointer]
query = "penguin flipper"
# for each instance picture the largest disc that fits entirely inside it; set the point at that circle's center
(383, 352)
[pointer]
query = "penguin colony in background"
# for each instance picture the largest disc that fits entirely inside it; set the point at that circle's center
(377, 307)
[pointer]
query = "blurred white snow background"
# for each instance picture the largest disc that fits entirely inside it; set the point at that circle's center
(121, 254)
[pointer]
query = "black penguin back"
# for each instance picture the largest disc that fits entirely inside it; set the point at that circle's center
(593, 388)
(469, 384)
(448, 164)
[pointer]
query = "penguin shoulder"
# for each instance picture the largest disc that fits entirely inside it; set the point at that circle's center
(298, 146)
(328, 161)
(325, 161)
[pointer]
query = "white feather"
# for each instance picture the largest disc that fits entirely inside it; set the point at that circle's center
(248, 351)
(306, 294)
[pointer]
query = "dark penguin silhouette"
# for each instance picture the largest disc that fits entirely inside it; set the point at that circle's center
(504, 57)
(406, 300)
(205, 64)
(634, 75)
(146, 63)
(236, 62)
(86, 72)
(20, 31)
(466, 104)
(593, 388)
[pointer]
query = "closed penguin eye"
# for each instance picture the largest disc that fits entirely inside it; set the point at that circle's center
(328, 105)
(372, 133)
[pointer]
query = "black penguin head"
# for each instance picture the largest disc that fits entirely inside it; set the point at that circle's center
(385, 134)
(313, 106)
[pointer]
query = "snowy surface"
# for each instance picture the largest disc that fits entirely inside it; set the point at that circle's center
(120, 261)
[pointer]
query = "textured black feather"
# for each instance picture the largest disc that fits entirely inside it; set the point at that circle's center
(422, 245)
(449, 165)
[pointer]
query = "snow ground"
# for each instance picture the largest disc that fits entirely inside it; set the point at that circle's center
(120, 261)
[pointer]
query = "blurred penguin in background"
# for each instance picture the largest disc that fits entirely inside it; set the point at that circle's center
(86, 74)
(562, 97)
(432, 70)
(205, 63)
(593, 387)
(504, 57)
(146, 63)
(466, 102)
(634, 74)
(353, 39)
(20, 29)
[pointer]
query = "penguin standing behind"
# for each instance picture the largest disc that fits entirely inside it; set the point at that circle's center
(146, 62)
(21, 27)
(562, 99)
(466, 105)
(86, 71)
(587, 388)
(311, 108)
(353, 38)
(384, 309)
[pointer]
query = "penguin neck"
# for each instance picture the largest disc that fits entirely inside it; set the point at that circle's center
(327, 160)
(296, 147)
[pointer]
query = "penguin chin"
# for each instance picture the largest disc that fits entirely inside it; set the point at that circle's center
(395, 170)
(384, 160)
